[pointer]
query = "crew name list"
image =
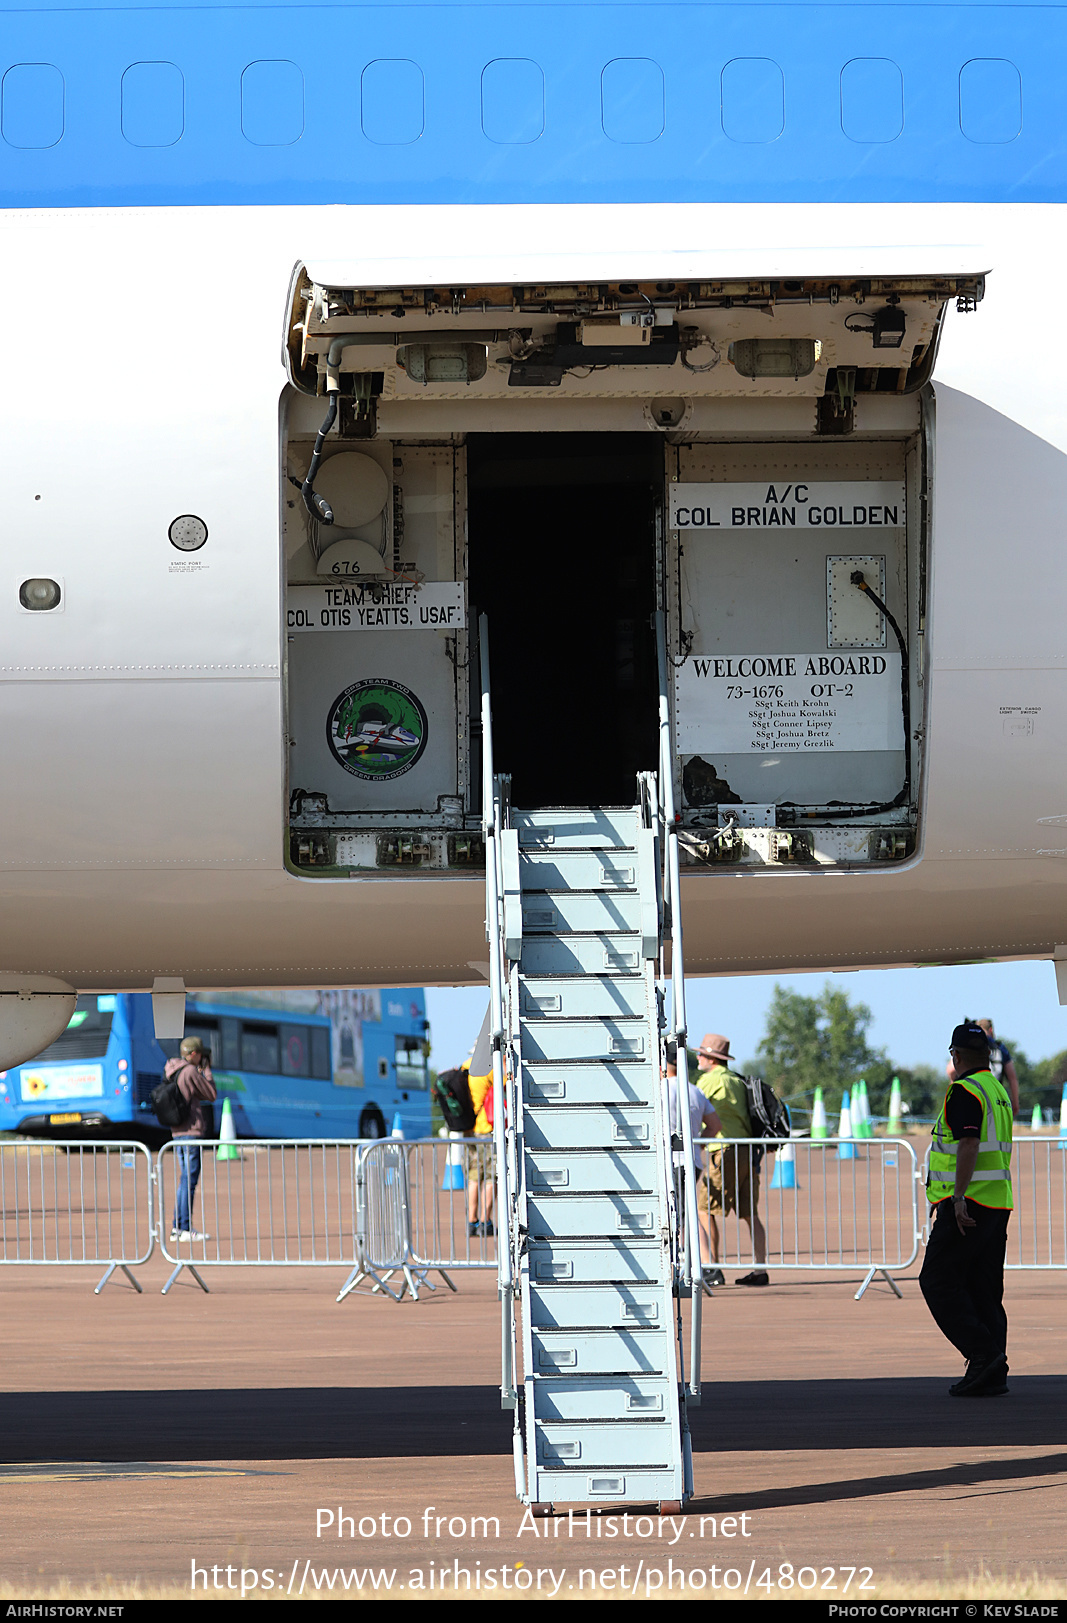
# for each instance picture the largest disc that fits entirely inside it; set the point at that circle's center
(737, 704)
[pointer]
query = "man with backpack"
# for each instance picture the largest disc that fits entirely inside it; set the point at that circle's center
(466, 1103)
(733, 1172)
(192, 1079)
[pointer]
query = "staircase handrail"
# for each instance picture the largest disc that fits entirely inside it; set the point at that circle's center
(492, 818)
(692, 1273)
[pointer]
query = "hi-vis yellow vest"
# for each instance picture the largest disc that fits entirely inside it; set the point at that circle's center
(990, 1183)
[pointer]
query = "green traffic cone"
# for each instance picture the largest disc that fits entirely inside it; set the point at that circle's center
(227, 1150)
(863, 1113)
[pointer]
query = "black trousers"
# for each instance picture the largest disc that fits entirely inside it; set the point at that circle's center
(962, 1280)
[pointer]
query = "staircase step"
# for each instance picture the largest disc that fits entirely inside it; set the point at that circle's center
(577, 870)
(576, 1445)
(576, 1216)
(596, 1171)
(604, 1083)
(586, 912)
(581, 955)
(601, 1397)
(601, 1352)
(587, 1040)
(584, 997)
(588, 830)
(600, 1306)
(610, 1487)
(607, 1127)
(604, 1259)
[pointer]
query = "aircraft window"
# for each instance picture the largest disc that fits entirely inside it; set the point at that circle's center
(259, 1049)
(296, 1055)
(411, 1063)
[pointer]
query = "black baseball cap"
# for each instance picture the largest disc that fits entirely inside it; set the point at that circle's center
(969, 1035)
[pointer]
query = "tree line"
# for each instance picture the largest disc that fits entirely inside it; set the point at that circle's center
(823, 1040)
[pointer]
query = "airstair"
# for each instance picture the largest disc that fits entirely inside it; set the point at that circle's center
(580, 914)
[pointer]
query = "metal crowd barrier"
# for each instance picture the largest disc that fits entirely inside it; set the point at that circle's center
(378, 1207)
(440, 1176)
(415, 1213)
(71, 1202)
(262, 1203)
(827, 1205)
(1037, 1232)
(395, 1207)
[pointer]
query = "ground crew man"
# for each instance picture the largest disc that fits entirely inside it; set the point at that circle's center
(969, 1186)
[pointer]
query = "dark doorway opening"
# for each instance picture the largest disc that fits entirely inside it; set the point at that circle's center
(561, 558)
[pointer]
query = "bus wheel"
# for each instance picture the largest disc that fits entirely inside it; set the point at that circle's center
(371, 1124)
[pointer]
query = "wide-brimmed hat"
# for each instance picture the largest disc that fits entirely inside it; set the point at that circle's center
(715, 1046)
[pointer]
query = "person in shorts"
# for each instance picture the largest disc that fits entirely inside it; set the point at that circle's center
(733, 1172)
(703, 1123)
(481, 1172)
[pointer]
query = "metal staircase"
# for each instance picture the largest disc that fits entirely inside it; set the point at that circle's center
(579, 907)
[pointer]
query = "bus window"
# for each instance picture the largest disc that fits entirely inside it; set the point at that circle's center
(321, 1068)
(231, 1044)
(259, 1048)
(206, 1030)
(211, 1038)
(296, 1057)
(87, 1033)
(411, 1063)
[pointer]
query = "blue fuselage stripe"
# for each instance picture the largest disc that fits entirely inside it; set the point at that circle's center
(530, 103)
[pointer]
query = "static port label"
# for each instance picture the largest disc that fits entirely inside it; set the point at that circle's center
(377, 729)
(741, 704)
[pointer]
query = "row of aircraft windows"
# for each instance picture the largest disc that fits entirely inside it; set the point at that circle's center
(393, 102)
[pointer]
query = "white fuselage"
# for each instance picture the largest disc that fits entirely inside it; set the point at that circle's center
(145, 787)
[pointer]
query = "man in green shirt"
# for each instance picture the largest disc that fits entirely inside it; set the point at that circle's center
(733, 1175)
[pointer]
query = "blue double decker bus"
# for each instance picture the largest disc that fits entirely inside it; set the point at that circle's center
(338, 1064)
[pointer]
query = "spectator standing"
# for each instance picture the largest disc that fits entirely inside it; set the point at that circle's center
(733, 1173)
(481, 1170)
(703, 1123)
(192, 1073)
(1001, 1064)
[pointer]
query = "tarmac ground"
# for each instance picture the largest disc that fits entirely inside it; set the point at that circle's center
(265, 1434)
